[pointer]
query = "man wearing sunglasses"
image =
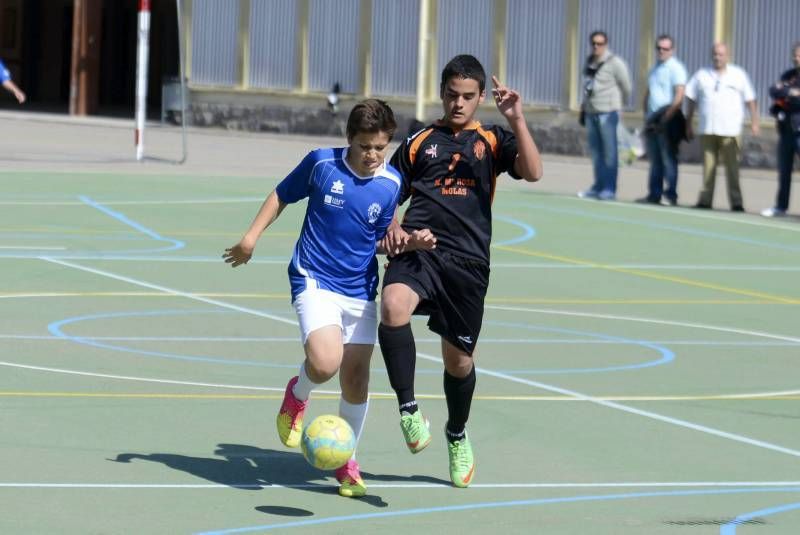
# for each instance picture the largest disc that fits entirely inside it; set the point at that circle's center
(664, 124)
(606, 87)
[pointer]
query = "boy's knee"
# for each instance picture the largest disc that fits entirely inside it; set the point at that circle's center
(396, 307)
(320, 370)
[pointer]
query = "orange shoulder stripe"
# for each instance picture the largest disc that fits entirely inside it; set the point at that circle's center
(491, 138)
(414, 147)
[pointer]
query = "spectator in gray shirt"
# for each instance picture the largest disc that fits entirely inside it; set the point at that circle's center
(607, 84)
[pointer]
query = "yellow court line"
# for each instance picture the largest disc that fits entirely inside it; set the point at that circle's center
(382, 396)
(649, 275)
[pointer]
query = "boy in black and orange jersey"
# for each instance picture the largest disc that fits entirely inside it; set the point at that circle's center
(449, 170)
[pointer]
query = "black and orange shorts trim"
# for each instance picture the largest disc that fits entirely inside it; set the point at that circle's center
(451, 288)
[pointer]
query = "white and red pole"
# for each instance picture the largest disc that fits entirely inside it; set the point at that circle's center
(142, 53)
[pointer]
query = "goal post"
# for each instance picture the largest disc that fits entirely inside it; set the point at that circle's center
(142, 64)
(142, 57)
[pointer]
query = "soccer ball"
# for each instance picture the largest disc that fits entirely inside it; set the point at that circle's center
(328, 442)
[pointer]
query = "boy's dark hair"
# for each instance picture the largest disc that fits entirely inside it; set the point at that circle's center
(463, 66)
(601, 33)
(372, 116)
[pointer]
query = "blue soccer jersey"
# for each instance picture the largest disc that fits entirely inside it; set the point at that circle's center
(346, 215)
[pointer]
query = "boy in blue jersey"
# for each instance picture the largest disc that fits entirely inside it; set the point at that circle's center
(352, 194)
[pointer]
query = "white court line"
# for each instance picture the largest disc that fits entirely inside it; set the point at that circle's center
(231, 200)
(648, 320)
(32, 248)
(647, 414)
(170, 291)
(721, 218)
(543, 386)
(631, 484)
(752, 395)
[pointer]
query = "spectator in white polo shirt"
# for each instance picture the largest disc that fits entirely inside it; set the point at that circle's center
(720, 92)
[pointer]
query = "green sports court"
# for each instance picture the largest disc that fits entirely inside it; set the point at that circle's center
(637, 370)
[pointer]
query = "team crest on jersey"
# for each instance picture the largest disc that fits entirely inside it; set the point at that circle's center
(373, 212)
(337, 187)
(431, 151)
(479, 148)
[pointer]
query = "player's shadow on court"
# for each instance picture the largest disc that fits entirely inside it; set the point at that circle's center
(249, 468)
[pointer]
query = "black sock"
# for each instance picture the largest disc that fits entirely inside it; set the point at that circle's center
(459, 399)
(400, 357)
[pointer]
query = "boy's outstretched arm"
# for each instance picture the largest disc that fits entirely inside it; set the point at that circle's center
(242, 252)
(529, 162)
(12, 88)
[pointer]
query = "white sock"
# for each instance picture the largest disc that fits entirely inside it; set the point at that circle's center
(355, 415)
(303, 387)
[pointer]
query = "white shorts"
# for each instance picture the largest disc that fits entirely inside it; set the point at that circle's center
(317, 308)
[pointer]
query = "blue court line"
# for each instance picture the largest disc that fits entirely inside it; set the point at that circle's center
(53, 236)
(55, 328)
(529, 233)
(659, 226)
(730, 527)
(122, 218)
(496, 505)
(667, 356)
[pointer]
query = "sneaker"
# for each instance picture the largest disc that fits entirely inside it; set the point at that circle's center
(415, 430)
(290, 417)
(606, 196)
(668, 201)
(462, 463)
(350, 483)
(737, 208)
(773, 212)
(647, 200)
(701, 206)
(588, 194)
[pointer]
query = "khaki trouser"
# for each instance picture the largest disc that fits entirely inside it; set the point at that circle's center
(728, 148)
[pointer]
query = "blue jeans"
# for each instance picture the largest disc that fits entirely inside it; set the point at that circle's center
(788, 145)
(601, 129)
(663, 167)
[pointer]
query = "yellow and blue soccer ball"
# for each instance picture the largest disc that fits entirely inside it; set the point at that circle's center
(328, 442)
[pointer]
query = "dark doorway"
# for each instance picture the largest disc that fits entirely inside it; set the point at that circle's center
(118, 56)
(42, 63)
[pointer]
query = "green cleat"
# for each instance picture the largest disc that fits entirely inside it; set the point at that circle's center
(462, 463)
(415, 430)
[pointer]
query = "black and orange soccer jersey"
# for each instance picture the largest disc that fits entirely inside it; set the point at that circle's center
(451, 180)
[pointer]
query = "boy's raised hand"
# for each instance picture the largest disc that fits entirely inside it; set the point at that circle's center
(508, 101)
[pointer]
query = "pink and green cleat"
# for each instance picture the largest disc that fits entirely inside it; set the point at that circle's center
(350, 483)
(290, 417)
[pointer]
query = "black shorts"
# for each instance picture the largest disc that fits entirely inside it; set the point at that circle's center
(451, 290)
